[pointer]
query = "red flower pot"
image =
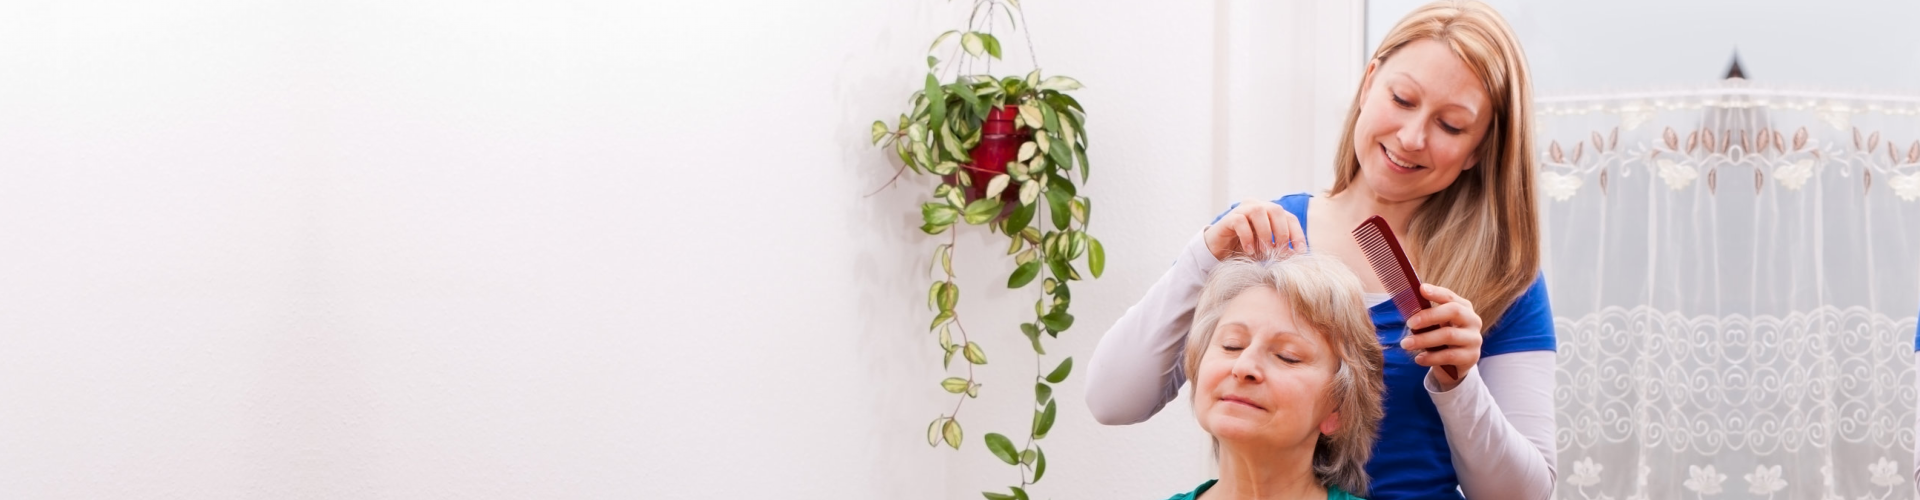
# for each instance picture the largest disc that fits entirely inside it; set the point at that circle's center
(999, 143)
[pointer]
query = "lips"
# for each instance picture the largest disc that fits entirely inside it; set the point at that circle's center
(1241, 400)
(1396, 161)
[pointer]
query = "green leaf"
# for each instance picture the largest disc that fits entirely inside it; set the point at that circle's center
(946, 338)
(951, 432)
(944, 168)
(1060, 373)
(947, 361)
(998, 185)
(1096, 256)
(932, 61)
(1048, 120)
(948, 142)
(1033, 335)
(972, 42)
(955, 385)
(966, 94)
(940, 320)
(1043, 421)
(1059, 83)
(1058, 321)
(936, 101)
(1031, 114)
(1026, 456)
(1029, 191)
(1063, 101)
(1078, 206)
(1033, 77)
(880, 131)
(1003, 448)
(949, 295)
(943, 255)
(982, 210)
(1057, 206)
(1024, 274)
(1027, 149)
(997, 496)
(992, 45)
(1039, 463)
(1019, 494)
(933, 294)
(1042, 393)
(1021, 216)
(942, 38)
(1058, 155)
(974, 354)
(933, 431)
(1080, 155)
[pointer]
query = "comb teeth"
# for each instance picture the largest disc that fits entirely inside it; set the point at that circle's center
(1390, 264)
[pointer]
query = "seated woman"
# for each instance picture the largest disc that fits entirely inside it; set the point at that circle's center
(1286, 372)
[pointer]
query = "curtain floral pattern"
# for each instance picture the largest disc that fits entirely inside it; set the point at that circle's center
(1735, 274)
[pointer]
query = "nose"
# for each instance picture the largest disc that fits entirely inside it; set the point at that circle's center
(1413, 137)
(1247, 369)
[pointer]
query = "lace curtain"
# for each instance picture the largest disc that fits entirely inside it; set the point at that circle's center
(1735, 274)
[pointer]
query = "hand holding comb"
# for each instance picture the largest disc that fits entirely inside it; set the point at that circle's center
(1390, 263)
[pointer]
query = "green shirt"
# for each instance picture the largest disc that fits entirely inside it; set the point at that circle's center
(1333, 493)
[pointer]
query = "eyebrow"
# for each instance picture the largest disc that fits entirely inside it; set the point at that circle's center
(1472, 114)
(1286, 333)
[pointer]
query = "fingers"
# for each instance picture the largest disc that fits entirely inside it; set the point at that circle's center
(1439, 294)
(1444, 338)
(1447, 357)
(1243, 231)
(1450, 314)
(1257, 227)
(1262, 231)
(1296, 235)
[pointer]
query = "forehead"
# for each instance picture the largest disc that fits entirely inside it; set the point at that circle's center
(1264, 313)
(1439, 74)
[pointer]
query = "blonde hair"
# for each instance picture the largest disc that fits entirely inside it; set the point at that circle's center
(1480, 236)
(1325, 295)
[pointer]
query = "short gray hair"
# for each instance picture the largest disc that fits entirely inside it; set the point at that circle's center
(1325, 295)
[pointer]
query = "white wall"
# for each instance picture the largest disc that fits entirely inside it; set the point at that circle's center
(563, 249)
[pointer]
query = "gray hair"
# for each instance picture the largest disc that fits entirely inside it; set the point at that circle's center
(1325, 295)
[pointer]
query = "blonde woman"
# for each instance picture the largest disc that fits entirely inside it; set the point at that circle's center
(1439, 142)
(1286, 378)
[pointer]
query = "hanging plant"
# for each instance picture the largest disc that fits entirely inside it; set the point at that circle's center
(1010, 154)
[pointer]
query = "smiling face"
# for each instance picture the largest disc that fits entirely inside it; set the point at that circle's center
(1264, 378)
(1423, 115)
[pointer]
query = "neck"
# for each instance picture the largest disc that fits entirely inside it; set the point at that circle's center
(1266, 474)
(1359, 202)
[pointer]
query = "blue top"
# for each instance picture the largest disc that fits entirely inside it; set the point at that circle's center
(1333, 493)
(1411, 459)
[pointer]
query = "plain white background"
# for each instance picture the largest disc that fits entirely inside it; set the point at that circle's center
(586, 249)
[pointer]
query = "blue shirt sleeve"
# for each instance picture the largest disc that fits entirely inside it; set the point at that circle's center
(1526, 326)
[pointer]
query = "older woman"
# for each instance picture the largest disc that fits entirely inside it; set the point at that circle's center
(1286, 374)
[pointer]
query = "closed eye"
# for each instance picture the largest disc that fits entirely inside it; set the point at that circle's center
(1287, 359)
(1402, 102)
(1451, 130)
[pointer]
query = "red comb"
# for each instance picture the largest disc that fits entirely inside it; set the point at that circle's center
(1390, 264)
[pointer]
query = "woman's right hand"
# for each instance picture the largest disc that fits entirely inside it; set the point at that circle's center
(1255, 227)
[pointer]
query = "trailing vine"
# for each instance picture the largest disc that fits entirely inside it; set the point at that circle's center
(1005, 151)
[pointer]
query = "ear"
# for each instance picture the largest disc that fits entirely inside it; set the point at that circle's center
(1366, 79)
(1472, 161)
(1331, 424)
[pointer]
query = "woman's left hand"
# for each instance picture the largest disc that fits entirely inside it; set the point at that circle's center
(1458, 333)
